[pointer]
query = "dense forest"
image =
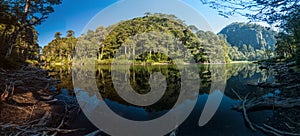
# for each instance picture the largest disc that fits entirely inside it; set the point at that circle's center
(236, 42)
(259, 37)
(165, 33)
(18, 38)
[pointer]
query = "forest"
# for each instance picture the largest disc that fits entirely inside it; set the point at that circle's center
(163, 34)
(19, 39)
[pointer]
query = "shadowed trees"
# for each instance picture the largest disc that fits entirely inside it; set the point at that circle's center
(18, 18)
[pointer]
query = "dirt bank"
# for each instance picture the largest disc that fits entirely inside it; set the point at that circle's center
(29, 105)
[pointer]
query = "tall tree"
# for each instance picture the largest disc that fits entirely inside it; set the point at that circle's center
(26, 14)
(57, 35)
(270, 11)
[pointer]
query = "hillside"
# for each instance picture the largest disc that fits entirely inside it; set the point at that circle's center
(160, 38)
(259, 37)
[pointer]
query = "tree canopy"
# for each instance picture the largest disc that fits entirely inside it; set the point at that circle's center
(17, 21)
(159, 37)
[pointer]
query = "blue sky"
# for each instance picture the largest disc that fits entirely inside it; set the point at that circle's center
(80, 15)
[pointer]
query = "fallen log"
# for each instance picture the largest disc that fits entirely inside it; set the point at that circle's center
(265, 128)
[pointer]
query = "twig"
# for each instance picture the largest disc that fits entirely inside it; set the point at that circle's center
(236, 94)
(244, 109)
(32, 111)
(268, 102)
(245, 113)
(266, 130)
(44, 118)
(19, 133)
(289, 126)
(280, 132)
(2, 70)
(65, 115)
(60, 130)
(296, 123)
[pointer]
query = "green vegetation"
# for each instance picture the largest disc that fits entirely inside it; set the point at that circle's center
(160, 38)
(61, 49)
(249, 41)
(283, 14)
(215, 46)
(288, 45)
(157, 36)
(240, 34)
(18, 38)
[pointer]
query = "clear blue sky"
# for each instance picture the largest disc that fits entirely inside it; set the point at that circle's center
(79, 15)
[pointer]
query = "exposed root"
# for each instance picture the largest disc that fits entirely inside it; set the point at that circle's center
(281, 132)
(245, 114)
(263, 102)
(265, 128)
(244, 109)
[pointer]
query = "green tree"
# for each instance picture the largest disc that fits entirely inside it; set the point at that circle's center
(26, 14)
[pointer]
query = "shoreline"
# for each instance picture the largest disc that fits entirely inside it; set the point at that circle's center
(149, 64)
(36, 107)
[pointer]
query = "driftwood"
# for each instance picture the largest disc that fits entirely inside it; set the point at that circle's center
(265, 128)
(272, 102)
(280, 132)
(244, 109)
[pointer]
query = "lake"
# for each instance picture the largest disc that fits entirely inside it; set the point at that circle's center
(210, 82)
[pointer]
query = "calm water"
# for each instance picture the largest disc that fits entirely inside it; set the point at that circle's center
(211, 79)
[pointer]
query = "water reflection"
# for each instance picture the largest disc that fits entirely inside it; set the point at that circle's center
(236, 76)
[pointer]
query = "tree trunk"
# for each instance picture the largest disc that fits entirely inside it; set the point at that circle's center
(101, 53)
(26, 9)
(11, 41)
